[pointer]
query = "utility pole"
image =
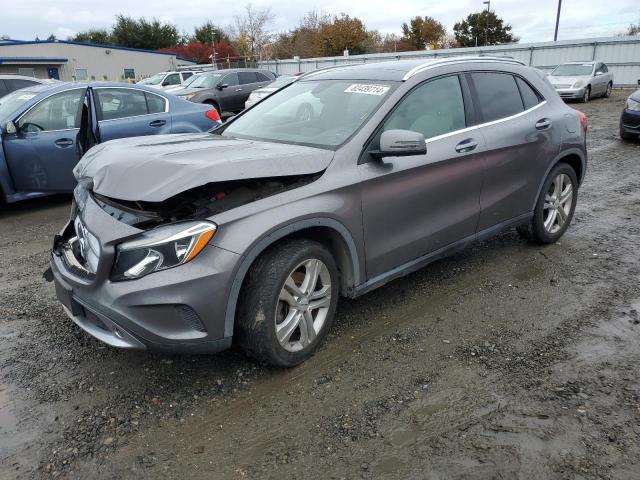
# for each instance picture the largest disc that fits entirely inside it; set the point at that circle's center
(486, 27)
(555, 35)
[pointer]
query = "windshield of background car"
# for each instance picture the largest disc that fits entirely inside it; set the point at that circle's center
(322, 113)
(190, 80)
(574, 70)
(156, 79)
(206, 81)
(11, 102)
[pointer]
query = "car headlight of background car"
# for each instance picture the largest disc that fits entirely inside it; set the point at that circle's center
(578, 84)
(633, 105)
(161, 248)
(188, 97)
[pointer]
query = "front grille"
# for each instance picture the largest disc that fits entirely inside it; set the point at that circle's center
(562, 85)
(88, 246)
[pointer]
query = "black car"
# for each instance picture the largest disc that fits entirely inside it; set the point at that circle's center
(630, 118)
(226, 90)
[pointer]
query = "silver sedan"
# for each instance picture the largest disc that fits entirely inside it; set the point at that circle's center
(582, 80)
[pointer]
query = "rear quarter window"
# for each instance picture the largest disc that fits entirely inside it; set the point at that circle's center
(529, 96)
(498, 95)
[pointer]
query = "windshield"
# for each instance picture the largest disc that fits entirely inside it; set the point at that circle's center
(154, 80)
(11, 102)
(281, 82)
(206, 81)
(321, 113)
(573, 70)
(190, 80)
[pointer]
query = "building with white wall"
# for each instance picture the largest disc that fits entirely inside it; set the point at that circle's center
(68, 61)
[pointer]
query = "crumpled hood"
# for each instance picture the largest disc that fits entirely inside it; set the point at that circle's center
(158, 167)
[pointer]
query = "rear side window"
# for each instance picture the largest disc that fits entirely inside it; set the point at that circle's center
(434, 108)
(126, 102)
(529, 97)
(155, 103)
(263, 78)
(186, 75)
(498, 95)
(247, 77)
(173, 79)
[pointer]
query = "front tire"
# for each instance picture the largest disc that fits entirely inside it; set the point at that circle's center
(607, 92)
(287, 303)
(554, 208)
(586, 95)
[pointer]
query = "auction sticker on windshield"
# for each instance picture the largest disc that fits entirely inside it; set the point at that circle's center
(367, 89)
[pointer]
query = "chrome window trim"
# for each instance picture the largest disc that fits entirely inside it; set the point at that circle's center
(486, 124)
(448, 61)
(166, 102)
(17, 120)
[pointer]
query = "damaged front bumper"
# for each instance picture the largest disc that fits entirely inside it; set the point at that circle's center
(179, 310)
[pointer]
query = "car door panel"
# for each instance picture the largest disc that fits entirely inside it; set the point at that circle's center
(520, 148)
(415, 205)
(43, 160)
(128, 112)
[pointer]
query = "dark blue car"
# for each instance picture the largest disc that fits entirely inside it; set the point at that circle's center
(630, 118)
(45, 129)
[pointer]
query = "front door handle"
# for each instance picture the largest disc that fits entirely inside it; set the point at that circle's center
(64, 142)
(158, 123)
(543, 124)
(466, 145)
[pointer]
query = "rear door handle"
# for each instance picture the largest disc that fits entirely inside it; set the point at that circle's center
(466, 145)
(64, 142)
(543, 124)
(158, 123)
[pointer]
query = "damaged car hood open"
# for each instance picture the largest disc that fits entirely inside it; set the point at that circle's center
(154, 168)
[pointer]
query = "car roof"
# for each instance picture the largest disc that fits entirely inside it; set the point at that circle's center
(10, 76)
(586, 62)
(398, 70)
(61, 86)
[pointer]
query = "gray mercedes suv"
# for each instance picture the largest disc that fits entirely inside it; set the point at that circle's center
(250, 233)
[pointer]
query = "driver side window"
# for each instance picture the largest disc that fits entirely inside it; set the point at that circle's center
(434, 108)
(231, 80)
(57, 112)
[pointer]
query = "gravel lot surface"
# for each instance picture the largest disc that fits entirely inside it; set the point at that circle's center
(507, 360)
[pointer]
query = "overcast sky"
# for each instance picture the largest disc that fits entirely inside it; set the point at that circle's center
(532, 20)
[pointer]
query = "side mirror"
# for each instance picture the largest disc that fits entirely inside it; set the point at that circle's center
(400, 143)
(222, 86)
(10, 127)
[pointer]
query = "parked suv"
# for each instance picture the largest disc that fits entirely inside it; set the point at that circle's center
(226, 90)
(582, 80)
(252, 232)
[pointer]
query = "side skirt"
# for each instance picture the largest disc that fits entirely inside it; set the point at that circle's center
(425, 260)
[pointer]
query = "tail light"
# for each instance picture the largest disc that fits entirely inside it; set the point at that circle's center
(213, 115)
(583, 121)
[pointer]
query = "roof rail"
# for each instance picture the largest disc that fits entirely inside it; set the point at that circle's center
(324, 69)
(458, 59)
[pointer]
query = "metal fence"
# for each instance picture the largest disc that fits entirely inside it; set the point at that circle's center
(621, 54)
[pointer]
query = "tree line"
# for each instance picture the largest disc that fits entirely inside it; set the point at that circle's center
(316, 35)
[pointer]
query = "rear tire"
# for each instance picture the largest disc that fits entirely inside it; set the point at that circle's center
(287, 303)
(555, 206)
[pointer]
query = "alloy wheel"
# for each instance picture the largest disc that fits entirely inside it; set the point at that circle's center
(557, 203)
(303, 305)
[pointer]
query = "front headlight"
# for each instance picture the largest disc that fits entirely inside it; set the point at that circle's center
(578, 84)
(161, 248)
(188, 97)
(633, 105)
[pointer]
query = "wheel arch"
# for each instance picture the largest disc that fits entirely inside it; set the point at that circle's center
(328, 231)
(575, 158)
